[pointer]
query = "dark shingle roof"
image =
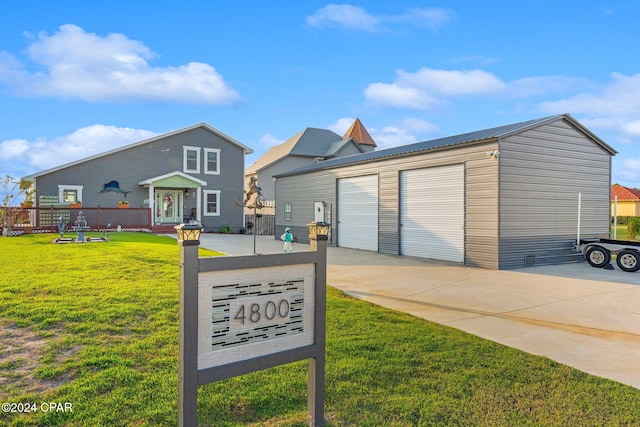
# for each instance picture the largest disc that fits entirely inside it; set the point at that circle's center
(465, 138)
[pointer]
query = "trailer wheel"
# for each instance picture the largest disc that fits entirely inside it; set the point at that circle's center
(598, 256)
(628, 260)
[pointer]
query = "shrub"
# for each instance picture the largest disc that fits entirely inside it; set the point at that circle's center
(633, 227)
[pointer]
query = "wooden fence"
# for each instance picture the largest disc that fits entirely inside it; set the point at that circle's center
(48, 218)
(264, 221)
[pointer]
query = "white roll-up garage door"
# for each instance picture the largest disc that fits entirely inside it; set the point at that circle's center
(358, 212)
(432, 213)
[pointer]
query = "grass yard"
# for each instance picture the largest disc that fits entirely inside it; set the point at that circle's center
(96, 325)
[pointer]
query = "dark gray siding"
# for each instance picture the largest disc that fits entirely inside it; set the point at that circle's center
(542, 171)
(156, 158)
(481, 235)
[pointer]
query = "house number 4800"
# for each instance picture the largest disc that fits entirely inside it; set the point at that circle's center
(261, 312)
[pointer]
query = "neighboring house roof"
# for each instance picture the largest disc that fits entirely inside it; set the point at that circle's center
(480, 136)
(311, 142)
(246, 149)
(624, 193)
(359, 133)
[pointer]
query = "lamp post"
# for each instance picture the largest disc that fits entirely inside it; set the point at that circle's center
(318, 231)
(188, 240)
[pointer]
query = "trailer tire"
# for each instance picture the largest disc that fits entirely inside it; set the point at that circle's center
(598, 257)
(628, 260)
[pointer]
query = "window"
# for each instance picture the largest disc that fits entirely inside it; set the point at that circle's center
(211, 202)
(212, 161)
(287, 211)
(191, 159)
(69, 193)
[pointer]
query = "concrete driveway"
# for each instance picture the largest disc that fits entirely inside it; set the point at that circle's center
(574, 314)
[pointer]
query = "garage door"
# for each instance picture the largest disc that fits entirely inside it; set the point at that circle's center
(358, 212)
(432, 213)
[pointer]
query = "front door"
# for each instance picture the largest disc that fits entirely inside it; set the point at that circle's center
(168, 206)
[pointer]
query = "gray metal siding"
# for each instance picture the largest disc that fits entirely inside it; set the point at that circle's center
(302, 191)
(156, 158)
(481, 236)
(541, 173)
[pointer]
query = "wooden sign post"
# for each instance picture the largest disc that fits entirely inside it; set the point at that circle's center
(243, 314)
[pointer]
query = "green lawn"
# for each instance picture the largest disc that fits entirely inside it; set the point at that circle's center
(621, 232)
(96, 325)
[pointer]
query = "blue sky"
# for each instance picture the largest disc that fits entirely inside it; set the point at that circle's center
(82, 77)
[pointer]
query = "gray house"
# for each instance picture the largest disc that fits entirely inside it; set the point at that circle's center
(192, 173)
(307, 147)
(498, 198)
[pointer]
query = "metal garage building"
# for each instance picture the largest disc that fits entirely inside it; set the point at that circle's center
(498, 198)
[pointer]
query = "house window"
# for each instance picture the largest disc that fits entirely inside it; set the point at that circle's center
(212, 161)
(211, 202)
(191, 159)
(69, 193)
(287, 211)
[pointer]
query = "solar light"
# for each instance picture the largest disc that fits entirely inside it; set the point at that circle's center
(188, 234)
(322, 230)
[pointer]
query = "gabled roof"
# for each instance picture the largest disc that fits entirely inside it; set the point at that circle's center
(359, 133)
(176, 176)
(310, 142)
(624, 193)
(481, 136)
(203, 125)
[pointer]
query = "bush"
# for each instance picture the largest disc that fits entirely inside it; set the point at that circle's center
(633, 227)
(225, 230)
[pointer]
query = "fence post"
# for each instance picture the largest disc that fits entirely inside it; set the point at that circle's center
(188, 334)
(316, 381)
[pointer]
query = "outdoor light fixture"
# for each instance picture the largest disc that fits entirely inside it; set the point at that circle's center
(189, 234)
(322, 230)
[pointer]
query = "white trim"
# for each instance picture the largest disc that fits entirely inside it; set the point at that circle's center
(206, 162)
(185, 150)
(77, 188)
(150, 181)
(204, 201)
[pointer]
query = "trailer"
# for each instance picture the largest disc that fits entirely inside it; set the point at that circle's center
(598, 253)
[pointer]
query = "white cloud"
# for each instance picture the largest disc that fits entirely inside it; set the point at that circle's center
(356, 18)
(428, 88)
(43, 154)
(343, 15)
(613, 107)
(13, 149)
(425, 17)
(408, 131)
(341, 125)
(75, 64)
(268, 140)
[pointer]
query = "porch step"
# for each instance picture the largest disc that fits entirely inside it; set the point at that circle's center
(163, 229)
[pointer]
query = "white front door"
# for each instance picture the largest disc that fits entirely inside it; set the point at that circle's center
(168, 206)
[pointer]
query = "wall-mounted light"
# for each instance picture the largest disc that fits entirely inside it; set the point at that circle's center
(493, 154)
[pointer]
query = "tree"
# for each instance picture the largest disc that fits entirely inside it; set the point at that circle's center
(11, 189)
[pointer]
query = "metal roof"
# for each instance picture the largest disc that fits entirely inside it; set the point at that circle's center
(484, 135)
